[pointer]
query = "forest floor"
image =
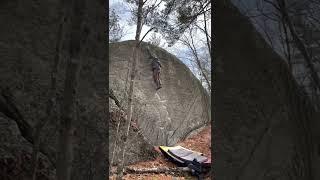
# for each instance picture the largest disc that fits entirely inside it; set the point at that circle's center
(200, 142)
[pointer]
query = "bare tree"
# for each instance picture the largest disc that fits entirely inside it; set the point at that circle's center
(297, 35)
(120, 168)
(297, 22)
(139, 19)
(205, 29)
(155, 40)
(297, 41)
(51, 103)
(187, 21)
(115, 30)
(129, 110)
(203, 64)
(78, 38)
(178, 16)
(141, 16)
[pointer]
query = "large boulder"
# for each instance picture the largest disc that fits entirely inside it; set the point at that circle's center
(28, 38)
(262, 123)
(163, 116)
(15, 151)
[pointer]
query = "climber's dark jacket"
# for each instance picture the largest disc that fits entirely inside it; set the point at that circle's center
(156, 64)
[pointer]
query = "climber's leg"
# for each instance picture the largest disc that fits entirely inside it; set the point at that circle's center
(155, 76)
(159, 80)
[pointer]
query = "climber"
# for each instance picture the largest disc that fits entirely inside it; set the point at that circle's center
(156, 68)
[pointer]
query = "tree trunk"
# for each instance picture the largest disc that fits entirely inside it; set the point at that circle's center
(139, 20)
(112, 96)
(195, 53)
(51, 103)
(207, 34)
(130, 94)
(129, 113)
(287, 44)
(68, 106)
(298, 42)
(308, 59)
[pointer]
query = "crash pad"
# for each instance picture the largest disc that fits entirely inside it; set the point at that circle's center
(179, 151)
(165, 149)
(184, 156)
(187, 155)
(191, 157)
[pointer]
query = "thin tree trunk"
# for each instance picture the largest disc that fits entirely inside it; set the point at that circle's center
(117, 137)
(65, 156)
(139, 20)
(195, 53)
(145, 35)
(119, 118)
(308, 59)
(116, 140)
(112, 96)
(130, 94)
(298, 42)
(287, 44)
(129, 114)
(51, 103)
(207, 34)
(68, 106)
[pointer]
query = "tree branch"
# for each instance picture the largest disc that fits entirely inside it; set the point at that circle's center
(10, 110)
(298, 42)
(113, 97)
(145, 35)
(272, 4)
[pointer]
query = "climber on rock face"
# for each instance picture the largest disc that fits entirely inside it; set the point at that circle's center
(156, 68)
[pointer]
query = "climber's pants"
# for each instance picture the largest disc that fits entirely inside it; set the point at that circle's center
(156, 76)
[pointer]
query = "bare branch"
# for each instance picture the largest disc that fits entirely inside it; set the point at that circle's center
(273, 4)
(9, 109)
(300, 45)
(145, 35)
(112, 96)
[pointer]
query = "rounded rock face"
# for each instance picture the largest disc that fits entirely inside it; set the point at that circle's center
(169, 114)
(28, 39)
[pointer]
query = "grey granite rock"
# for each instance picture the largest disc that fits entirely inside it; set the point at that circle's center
(263, 128)
(28, 37)
(169, 114)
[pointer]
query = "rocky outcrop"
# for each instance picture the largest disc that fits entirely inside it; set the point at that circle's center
(28, 38)
(163, 116)
(15, 151)
(262, 119)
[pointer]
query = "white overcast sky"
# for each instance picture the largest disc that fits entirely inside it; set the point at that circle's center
(123, 10)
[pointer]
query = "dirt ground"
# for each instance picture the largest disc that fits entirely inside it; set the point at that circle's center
(200, 142)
